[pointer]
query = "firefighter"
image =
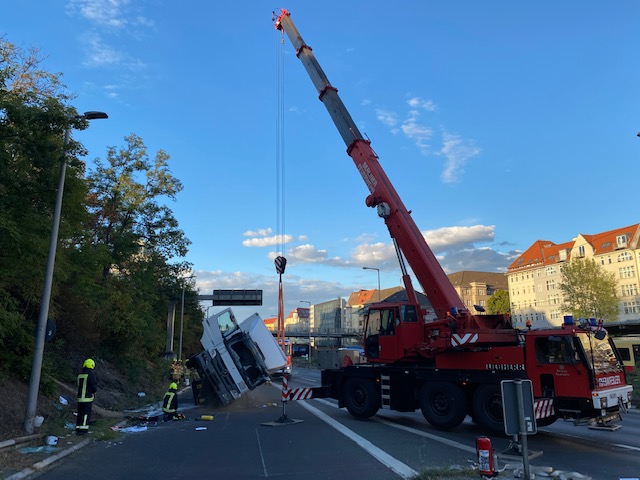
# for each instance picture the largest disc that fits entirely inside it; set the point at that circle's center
(87, 387)
(170, 403)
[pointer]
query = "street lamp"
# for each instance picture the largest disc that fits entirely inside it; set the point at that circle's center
(184, 284)
(309, 321)
(377, 270)
(36, 366)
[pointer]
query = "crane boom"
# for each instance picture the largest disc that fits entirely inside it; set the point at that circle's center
(407, 237)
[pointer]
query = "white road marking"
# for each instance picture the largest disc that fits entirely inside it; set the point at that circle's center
(402, 469)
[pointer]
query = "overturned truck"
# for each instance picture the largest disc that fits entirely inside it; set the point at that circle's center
(237, 357)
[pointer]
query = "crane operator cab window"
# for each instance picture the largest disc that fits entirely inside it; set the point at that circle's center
(409, 313)
(388, 322)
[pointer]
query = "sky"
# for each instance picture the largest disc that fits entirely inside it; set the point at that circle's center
(499, 123)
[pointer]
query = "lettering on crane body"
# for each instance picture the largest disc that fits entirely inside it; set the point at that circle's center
(504, 366)
(367, 176)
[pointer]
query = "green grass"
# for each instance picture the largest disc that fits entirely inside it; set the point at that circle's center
(446, 473)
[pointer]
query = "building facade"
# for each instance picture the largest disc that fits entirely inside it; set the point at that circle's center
(475, 288)
(534, 278)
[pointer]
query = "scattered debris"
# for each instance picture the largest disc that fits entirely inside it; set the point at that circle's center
(201, 428)
(40, 449)
(51, 440)
(62, 400)
(132, 429)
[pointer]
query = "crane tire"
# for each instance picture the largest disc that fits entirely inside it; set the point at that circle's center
(361, 397)
(443, 404)
(487, 407)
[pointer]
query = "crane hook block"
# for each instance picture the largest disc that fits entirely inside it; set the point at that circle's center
(281, 263)
(384, 210)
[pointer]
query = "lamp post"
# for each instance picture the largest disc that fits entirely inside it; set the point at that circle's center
(309, 321)
(36, 366)
(184, 284)
(377, 270)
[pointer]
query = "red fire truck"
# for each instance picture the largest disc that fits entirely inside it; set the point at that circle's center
(452, 367)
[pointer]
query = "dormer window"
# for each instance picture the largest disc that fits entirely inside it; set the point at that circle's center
(621, 241)
(563, 255)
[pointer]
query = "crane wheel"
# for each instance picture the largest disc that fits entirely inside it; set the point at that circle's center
(487, 407)
(361, 397)
(443, 404)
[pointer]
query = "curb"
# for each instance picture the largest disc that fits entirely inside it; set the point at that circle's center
(41, 465)
(15, 441)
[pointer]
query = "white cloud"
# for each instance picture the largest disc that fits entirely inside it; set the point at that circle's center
(100, 54)
(417, 102)
(267, 241)
(458, 152)
(389, 118)
(261, 232)
(446, 238)
(107, 13)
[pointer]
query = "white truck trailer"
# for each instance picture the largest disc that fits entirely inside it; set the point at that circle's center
(237, 357)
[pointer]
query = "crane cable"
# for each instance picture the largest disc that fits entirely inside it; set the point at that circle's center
(280, 260)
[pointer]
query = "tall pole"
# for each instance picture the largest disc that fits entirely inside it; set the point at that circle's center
(38, 353)
(309, 321)
(377, 270)
(184, 285)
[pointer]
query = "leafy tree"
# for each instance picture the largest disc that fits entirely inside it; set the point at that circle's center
(499, 302)
(589, 291)
(127, 218)
(34, 115)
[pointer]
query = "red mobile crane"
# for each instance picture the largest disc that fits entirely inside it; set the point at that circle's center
(452, 367)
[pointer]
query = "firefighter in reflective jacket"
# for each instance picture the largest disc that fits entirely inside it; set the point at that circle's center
(87, 387)
(170, 403)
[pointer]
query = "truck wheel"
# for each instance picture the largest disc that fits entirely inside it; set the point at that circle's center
(361, 397)
(487, 407)
(443, 404)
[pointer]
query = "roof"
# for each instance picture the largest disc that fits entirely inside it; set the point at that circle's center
(466, 277)
(545, 252)
(363, 297)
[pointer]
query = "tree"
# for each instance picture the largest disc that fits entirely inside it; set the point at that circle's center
(589, 291)
(499, 302)
(128, 222)
(34, 114)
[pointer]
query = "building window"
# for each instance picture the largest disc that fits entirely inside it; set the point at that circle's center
(631, 307)
(481, 291)
(624, 256)
(581, 251)
(629, 290)
(621, 241)
(551, 284)
(554, 299)
(550, 271)
(627, 272)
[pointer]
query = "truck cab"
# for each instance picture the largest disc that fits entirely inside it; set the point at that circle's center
(237, 357)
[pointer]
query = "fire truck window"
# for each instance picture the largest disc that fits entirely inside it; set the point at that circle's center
(409, 313)
(555, 350)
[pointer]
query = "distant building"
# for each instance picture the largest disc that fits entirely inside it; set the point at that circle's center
(328, 317)
(354, 315)
(475, 288)
(534, 278)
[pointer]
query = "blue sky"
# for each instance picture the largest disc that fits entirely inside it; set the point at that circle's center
(499, 123)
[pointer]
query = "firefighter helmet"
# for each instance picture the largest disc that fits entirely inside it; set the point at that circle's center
(89, 363)
(173, 386)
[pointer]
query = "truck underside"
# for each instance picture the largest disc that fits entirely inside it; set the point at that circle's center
(447, 397)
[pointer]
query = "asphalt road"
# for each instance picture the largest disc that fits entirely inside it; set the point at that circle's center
(330, 444)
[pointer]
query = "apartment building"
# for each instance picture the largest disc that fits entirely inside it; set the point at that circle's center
(475, 288)
(534, 278)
